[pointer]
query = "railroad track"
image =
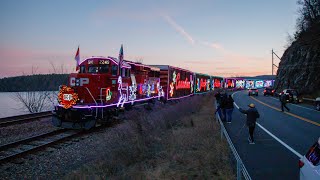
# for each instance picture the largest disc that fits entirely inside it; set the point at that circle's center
(11, 151)
(8, 121)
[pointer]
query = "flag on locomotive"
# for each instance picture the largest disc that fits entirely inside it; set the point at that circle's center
(77, 58)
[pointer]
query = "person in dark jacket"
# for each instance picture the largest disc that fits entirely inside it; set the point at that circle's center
(229, 108)
(223, 104)
(283, 100)
(218, 97)
(252, 115)
(218, 100)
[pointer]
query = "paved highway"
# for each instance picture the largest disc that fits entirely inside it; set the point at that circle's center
(280, 137)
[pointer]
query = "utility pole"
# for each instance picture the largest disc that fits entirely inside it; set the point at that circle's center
(273, 53)
(272, 63)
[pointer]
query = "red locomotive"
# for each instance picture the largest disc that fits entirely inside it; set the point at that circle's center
(101, 87)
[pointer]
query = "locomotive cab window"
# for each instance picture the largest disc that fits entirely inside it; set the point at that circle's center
(114, 70)
(104, 68)
(82, 69)
(127, 72)
(123, 72)
(93, 69)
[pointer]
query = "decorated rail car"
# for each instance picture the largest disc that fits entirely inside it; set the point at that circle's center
(249, 84)
(268, 83)
(95, 93)
(258, 84)
(203, 83)
(240, 83)
(230, 83)
(176, 82)
(217, 82)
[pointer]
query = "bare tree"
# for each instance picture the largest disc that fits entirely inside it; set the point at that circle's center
(309, 14)
(33, 101)
(37, 101)
(290, 39)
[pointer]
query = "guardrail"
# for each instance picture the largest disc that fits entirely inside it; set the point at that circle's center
(308, 99)
(241, 169)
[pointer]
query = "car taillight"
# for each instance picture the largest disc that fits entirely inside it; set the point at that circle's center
(249, 90)
(264, 90)
(273, 91)
(256, 90)
(301, 164)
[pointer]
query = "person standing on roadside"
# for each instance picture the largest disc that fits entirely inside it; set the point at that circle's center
(283, 100)
(223, 104)
(218, 101)
(229, 108)
(252, 115)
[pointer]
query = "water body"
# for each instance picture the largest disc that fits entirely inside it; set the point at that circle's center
(11, 106)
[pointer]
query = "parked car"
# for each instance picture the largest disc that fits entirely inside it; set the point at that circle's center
(309, 164)
(318, 103)
(253, 91)
(292, 95)
(268, 91)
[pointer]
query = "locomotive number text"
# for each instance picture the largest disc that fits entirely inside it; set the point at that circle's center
(103, 61)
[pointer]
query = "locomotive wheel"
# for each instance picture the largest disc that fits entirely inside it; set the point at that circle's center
(67, 116)
(128, 106)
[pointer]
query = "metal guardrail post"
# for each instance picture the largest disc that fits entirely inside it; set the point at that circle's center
(238, 170)
(221, 132)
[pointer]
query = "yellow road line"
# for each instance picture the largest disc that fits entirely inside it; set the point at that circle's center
(296, 116)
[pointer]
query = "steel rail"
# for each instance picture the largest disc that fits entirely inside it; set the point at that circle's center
(9, 121)
(34, 144)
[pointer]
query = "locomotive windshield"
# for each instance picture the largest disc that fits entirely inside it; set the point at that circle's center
(98, 69)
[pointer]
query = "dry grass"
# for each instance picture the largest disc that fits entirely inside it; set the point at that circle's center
(179, 141)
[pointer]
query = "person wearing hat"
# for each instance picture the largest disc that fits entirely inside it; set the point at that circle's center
(252, 115)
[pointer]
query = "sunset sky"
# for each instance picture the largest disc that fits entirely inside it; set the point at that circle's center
(217, 37)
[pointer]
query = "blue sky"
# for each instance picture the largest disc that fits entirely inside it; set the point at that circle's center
(218, 37)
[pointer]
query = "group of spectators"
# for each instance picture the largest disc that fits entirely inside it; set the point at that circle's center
(224, 106)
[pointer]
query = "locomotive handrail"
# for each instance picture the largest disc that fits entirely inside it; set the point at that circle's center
(101, 98)
(93, 100)
(101, 95)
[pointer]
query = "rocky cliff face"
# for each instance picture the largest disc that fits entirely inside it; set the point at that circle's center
(299, 67)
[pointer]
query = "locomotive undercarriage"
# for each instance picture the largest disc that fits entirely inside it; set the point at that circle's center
(82, 118)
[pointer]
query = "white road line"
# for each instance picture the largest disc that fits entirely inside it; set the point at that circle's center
(275, 137)
(235, 102)
(281, 142)
(305, 107)
(299, 106)
(236, 105)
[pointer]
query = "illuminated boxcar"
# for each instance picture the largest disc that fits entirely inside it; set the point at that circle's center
(217, 82)
(177, 83)
(203, 83)
(230, 83)
(249, 84)
(240, 83)
(268, 83)
(259, 83)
